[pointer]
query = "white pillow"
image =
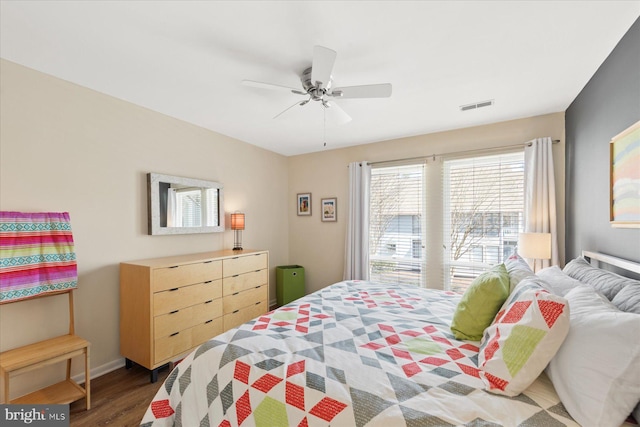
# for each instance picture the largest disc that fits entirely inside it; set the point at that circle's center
(557, 281)
(524, 336)
(596, 371)
(518, 269)
(605, 282)
(628, 299)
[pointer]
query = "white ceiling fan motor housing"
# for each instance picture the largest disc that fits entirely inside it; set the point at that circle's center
(314, 90)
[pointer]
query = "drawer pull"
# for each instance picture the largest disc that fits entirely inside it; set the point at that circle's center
(235, 275)
(174, 334)
(207, 262)
(174, 311)
(258, 271)
(235, 257)
(207, 302)
(258, 287)
(174, 266)
(208, 281)
(173, 289)
(259, 302)
(234, 312)
(208, 321)
(235, 293)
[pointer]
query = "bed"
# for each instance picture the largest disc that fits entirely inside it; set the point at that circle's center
(357, 353)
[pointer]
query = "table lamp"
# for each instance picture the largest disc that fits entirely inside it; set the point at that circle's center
(237, 225)
(534, 246)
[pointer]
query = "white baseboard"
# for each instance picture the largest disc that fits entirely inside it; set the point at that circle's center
(100, 370)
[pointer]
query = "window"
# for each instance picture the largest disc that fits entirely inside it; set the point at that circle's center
(395, 231)
(483, 204)
(472, 220)
(189, 201)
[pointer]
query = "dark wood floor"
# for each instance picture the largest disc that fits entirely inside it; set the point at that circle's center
(119, 398)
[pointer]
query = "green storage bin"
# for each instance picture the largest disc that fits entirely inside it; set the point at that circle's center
(289, 283)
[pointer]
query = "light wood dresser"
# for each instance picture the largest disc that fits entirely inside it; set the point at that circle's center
(170, 305)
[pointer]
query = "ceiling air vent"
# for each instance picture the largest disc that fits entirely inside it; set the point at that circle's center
(476, 105)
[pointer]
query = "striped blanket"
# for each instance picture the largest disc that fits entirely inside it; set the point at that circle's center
(36, 255)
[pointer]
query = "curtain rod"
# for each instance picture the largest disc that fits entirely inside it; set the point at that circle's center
(433, 156)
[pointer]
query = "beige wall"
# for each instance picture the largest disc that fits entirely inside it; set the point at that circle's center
(66, 148)
(319, 246)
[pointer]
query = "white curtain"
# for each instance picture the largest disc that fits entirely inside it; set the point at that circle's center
(172, 210)
(540, 194)
(356, 266)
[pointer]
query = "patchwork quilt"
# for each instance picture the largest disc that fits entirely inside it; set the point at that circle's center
(352, 354)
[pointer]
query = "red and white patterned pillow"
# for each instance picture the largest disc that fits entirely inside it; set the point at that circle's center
(525, 335)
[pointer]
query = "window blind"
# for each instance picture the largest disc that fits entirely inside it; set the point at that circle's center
(190, 200)
(210, 205)
(396, 246)
(482, 214)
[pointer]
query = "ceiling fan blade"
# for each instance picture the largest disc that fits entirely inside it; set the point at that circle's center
(288, 108)
(323, 60)
(272, 87)
(382, 90)
(338, 113)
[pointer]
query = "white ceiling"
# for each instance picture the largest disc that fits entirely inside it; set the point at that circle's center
(187, 59)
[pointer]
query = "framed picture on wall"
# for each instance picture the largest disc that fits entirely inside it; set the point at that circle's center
(329, 209)
(624, 200)
(304, 204)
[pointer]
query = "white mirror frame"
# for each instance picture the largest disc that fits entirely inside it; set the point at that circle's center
(153, 204)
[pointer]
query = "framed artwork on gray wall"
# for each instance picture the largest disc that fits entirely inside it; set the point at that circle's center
(624, 200)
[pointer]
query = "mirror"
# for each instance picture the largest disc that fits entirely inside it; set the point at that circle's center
(178, 205)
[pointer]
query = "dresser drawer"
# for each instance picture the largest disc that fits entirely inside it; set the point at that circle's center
(244, 264)
(242, 282)
(178, 298)
(178, 320)
(172, 345)
(167, 324)
(207, 311)
(186, 274)
(206, 330)
(243, 315)
(244, 299)
(184, 340)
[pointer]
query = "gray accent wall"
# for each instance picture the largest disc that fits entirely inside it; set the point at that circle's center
(607, 105)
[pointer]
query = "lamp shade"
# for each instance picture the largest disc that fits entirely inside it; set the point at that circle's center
(534, 245)
(237, 221)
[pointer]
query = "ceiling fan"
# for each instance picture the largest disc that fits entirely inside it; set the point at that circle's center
(317, 85)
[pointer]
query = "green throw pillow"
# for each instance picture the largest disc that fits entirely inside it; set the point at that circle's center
(480, 304)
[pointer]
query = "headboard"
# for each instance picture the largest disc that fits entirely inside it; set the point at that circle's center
(595, 258)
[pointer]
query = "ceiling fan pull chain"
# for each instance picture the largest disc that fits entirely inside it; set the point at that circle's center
(324, 115)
